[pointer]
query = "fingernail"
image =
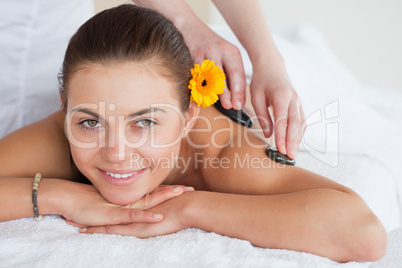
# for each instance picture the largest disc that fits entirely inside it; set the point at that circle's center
(83, 230)
(177, 189)
(294, 152)
(158, 216)
(237, 105)
(291, 154)
(189, 188)
(266, 131)
(227, 103)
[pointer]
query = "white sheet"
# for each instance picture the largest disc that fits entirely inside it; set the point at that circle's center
(365, 137)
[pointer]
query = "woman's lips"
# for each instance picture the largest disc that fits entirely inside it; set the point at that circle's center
(122, 179)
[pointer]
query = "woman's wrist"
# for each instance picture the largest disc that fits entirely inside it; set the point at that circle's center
(193, 212)
(50, 196)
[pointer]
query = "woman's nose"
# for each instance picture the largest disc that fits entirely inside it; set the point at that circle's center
(115, 149)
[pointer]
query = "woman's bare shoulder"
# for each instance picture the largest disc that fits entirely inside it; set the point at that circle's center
(38, 147)
(236, 162)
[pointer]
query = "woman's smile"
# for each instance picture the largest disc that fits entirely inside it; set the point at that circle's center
(122, 178)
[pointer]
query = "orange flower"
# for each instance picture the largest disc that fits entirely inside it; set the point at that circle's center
(207, 83)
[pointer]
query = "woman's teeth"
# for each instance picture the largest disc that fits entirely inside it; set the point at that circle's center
(120, 176)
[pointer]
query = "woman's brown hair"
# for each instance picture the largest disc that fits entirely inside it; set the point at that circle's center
(128, 33)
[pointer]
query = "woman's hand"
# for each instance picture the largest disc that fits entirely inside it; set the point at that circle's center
(270, 86)
(82, 205)
(175, 219)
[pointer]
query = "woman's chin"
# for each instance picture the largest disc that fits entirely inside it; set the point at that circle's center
(122, 199)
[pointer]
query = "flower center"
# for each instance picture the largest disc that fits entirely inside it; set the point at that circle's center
(204, 83)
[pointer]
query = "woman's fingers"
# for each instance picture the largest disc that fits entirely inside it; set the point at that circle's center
(134, 229)
(118, 215)
(128, 229)
(73, 223)
(160, 195)
(140, 230)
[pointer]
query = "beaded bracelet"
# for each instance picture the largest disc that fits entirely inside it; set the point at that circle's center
(35, 186)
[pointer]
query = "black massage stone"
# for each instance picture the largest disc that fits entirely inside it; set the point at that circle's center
(273, 153)
(239, 116)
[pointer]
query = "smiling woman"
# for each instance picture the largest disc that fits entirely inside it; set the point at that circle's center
(129, 127)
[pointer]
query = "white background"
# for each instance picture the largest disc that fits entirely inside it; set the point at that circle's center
(365, 34)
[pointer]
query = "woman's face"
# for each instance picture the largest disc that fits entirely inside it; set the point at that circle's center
(124, 127)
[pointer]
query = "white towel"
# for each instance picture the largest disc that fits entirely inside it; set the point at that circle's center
(52, 243)
(393, 256)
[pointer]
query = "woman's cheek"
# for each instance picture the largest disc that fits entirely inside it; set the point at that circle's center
(83, 158)
(168, 135)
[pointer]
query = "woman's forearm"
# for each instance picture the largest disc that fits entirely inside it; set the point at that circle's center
(247, 21)
(16, 198)
(325, 222)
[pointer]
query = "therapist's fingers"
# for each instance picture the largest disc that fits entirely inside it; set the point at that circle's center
(225, 97)
(302, 122)
(281, 124)
(198, 54)
(261, 110)
(293, 135)
(235, 77)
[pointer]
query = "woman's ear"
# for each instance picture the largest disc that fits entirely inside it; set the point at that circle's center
(62, 102)
(191, 116)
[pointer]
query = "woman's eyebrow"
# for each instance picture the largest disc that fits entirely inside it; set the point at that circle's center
(94, 114)
(145, 111)
(86, 111)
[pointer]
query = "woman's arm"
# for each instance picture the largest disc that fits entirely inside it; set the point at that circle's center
(80, 204)
(277, 206)
(38, 147)
(326, 222)
(16, 198)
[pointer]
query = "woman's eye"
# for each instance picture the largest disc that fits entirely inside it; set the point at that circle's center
(91, 123)
(144, 123)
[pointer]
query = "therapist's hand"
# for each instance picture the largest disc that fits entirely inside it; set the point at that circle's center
(206, 44)
(270, 86)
